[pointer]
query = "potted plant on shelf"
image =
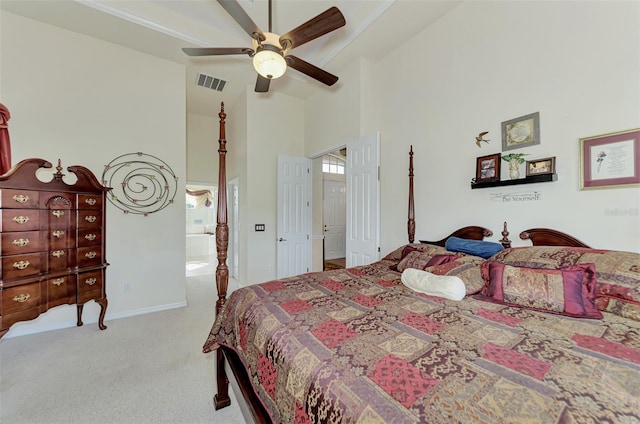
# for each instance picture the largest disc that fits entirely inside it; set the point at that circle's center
(515, 160)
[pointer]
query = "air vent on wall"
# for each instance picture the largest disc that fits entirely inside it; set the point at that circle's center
(207, 81)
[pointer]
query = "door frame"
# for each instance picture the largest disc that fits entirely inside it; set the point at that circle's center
(313, 195)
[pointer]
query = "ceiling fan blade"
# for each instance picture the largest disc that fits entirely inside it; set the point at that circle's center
(213, 51)
(329, 20)
(311, 70)
(262, 84)
(236, 11)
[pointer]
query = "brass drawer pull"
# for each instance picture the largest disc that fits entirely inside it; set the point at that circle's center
(57, 253)
(58, 281)
(22, 298)
(57, 233)
(21, 198)
(90, 255)
(90, 218)
(21, 264)
(58, 213)
(21, 219)
(90, 201)
(20, 242)
(91, 281)
(90, 237)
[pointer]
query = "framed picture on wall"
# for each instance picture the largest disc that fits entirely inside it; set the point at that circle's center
(610, 160)
(521, 132)
(541, 166)
(488, 168)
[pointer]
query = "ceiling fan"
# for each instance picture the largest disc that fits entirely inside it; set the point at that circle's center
(270, 51)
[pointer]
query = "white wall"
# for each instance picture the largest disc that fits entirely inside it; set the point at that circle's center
(202, 148)
(577, 63)
(86, 102)
(333, 117)
(275, 124)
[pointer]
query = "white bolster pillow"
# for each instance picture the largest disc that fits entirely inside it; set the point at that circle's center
(447, 286)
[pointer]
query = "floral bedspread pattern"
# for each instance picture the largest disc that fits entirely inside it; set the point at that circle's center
(356, 345)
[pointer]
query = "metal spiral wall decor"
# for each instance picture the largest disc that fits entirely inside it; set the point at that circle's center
(141, 183)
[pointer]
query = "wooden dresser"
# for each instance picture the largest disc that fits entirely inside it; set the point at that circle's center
(53, 241)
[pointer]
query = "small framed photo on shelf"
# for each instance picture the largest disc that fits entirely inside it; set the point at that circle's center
(521, 132)
(541, 166)
(488, 168)
(610, 160)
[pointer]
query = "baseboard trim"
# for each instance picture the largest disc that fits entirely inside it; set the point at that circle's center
(16, 332)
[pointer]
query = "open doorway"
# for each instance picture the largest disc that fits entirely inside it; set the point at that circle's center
(201, 201)
(334, 208)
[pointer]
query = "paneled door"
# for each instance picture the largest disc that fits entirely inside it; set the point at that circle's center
(335, 218)
(294, 216)
(363, 200)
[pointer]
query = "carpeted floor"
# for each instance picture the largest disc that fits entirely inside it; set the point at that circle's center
(144, 369)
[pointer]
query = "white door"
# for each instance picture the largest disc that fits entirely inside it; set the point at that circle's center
(335, 218)
(363, 200)
(294, 216)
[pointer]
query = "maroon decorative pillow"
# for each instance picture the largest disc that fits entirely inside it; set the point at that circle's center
(567, 291)
(618, 272)
(400, 253)
(441, 259)
(466, 267)
(420, 260)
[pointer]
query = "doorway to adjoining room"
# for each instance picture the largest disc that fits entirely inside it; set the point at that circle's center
(334, 209)
(201, 201)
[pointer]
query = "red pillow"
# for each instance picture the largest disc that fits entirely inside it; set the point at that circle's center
(421, 260)
(567, 291)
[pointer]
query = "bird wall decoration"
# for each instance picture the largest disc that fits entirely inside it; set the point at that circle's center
(479, 138)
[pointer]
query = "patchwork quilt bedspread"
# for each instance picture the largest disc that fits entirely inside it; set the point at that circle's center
(356, 345)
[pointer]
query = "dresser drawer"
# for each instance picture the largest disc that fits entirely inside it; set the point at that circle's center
(87, 256)
(17, 266)
(19, 220)
(23, 242)
(21, 298)
(19, 199)
(88, 219)
(61, 290)
(61, 259)
(90, 286)
(61, 238)
(59, 218)
(90, 237)
(89, 201)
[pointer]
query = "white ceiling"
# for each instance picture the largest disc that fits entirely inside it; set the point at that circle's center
(162, 27)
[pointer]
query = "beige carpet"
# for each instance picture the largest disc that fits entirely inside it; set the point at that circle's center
(144, 369)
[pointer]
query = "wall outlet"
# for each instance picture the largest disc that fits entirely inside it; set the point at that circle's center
(126, 287)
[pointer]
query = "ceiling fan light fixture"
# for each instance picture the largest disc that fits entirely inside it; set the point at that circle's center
(269, 62)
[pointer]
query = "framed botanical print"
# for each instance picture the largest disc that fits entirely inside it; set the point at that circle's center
(610, 160)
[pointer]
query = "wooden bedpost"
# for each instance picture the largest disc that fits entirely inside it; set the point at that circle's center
(506, 243)
(221, 399)
(411, 223)
(222, 229)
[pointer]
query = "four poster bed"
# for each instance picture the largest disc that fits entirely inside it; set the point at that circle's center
(545, 333)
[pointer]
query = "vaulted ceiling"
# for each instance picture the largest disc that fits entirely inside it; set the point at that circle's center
(162, 27)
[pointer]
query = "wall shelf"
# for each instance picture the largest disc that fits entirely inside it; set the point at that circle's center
(528, 180)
